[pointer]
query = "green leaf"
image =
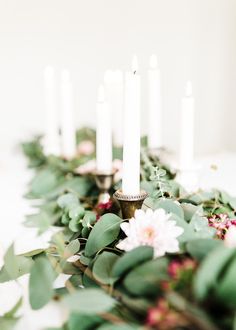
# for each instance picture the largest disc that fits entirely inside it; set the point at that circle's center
(45, 181)
(119, 327)
(76, 212)
(132, 259)
(71, 249)
(200, 248)
(105, 231)
(43, 221)
(41, 280)
(89, 301)
(76, 280)
(14, 266)
(67, 199)
(8, 324)
(70, 269)
(33, 253)
(14, 310)
(84, 260)
(190, 210)
(146, 278)
(89, 219)
(65, 219)
(226, 290)
(201, 227)
(74, 226)
(80, 185)
(102, 269)
(209, 270)
(170, 207)
(84, 322)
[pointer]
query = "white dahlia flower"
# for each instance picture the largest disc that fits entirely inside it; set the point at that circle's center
(152, 228)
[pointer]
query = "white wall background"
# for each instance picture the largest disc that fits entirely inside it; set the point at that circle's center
(194, 39)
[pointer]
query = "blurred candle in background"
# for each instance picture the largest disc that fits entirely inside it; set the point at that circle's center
(131, 147)
(187, 129)
(68, 131)
(51, 139)
(103, 134)
(113, 81)
(155, 106)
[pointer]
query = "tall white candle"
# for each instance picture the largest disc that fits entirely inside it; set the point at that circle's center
(113, 81)
(187, 129)
(131, 148)
(68, 131)
(51, 140)
(103, 134)
(155, 106)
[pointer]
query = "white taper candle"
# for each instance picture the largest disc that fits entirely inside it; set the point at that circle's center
(113, 81)
(51, 139)
(155, 105)
(131, 148)
(68, 131)
(103, 134)
(187, 129)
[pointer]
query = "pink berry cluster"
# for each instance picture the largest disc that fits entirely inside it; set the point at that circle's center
(177, 267)
(163, 317)
(221, 222)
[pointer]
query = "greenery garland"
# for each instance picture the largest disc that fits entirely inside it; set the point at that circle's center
(108, 288)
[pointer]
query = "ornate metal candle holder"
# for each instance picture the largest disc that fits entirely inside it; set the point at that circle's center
(104, 183)
(130, 203)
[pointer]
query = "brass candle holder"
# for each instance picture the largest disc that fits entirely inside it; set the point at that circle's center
(130, 203)
(104, 183)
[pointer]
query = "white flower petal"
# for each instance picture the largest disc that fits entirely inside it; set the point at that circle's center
(155, 229)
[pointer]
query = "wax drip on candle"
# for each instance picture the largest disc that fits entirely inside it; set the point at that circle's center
(135, 64)
(101, 94)
(153, 62)
(188, 89)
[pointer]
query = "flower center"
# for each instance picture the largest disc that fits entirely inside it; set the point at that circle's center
(148, 235)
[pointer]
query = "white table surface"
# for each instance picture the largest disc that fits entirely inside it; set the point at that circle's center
(14, 177)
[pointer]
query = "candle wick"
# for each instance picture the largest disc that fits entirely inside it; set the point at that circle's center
(135, 71)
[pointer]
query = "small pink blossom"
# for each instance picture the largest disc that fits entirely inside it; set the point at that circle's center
(162, 317)
(221, 222)
(87, 168)
(178, 267)
(86, 148)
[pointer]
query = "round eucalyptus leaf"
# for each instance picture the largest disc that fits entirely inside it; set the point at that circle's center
(132, 259)
(89, 301)
(210, 269)
(102, 268)
(67, 199)
(146, 279)
(41, 280)
(105, 231)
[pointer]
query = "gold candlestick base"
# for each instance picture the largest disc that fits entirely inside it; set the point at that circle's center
(104, 183)
(130, 203)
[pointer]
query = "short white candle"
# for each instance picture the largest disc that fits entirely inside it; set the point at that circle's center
(103, 134)
(131, 148)
(113, 81)
(187, 129)
(154, 104)
(51, 139)
(68, 131)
